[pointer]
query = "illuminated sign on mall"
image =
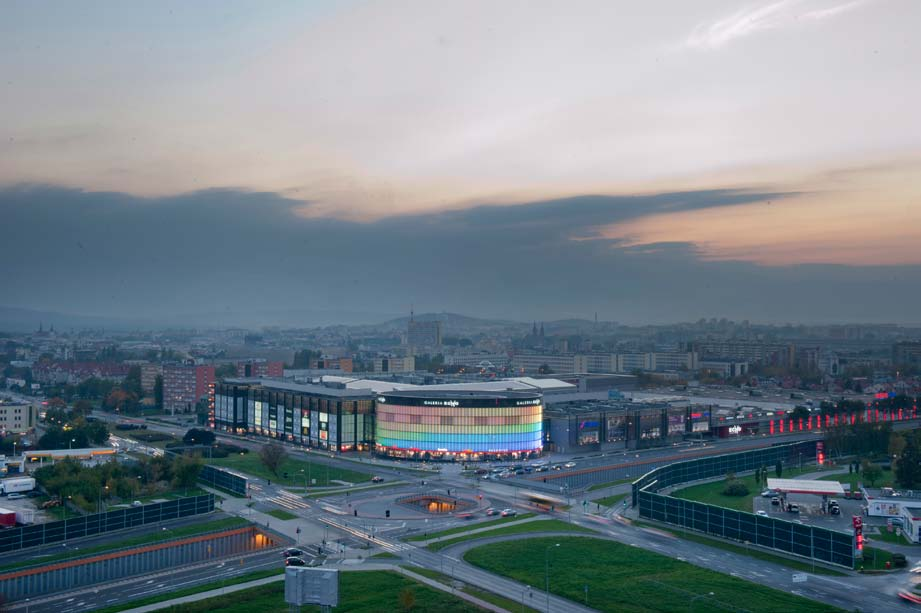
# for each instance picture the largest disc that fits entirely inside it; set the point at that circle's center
(735, 429)
(525, 403)
(441, 403)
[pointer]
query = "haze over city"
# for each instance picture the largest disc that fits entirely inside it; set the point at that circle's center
(761, 159)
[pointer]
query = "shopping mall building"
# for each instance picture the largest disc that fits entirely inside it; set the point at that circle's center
(466, 423)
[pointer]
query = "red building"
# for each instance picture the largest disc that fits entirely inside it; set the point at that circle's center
(260, 368)
(185, 384)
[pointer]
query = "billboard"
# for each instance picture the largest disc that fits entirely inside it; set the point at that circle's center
(305, 585)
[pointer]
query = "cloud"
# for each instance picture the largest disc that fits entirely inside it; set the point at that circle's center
(780, 14)
(226, 255)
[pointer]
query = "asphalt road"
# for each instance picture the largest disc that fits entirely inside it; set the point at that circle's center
(125, 590)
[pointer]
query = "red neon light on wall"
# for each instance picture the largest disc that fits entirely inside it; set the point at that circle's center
(781, 425)
(772, 426)
(800, 424)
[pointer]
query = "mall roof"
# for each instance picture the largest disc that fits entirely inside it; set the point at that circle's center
(427, 392)
(805, 486)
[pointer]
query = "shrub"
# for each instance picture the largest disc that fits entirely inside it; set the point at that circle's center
(736, 488)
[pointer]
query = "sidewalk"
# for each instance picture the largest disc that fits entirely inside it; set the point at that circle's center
(474, 530)
(278, 578)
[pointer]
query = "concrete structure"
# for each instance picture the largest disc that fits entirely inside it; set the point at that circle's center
(423, 334)
(887, 502)
(529, 361)
(260, 368)
(776, 354)
(185, 384)
(18, 418)
(906, 353)
(149, 374)
(911, 523)
(394, 364)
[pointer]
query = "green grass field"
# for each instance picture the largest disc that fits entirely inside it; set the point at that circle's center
(359, 592)
(280, 514)
(500, 601)
(469, 527)
(712, 493)
(627, 579)
(895, 537)
(544, 525)
(155, 535)
(321, 473)
(853, 479)
(214, 585)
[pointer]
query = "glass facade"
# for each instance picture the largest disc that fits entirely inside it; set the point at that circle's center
(464, 426)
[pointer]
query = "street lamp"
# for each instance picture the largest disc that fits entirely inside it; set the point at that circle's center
(70, 445)
(691, 602)
(547, 572)
(526, 590)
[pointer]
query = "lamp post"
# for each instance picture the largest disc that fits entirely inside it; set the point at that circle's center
(526, 589)
(547, 573)
(70, 445)
(691, 602)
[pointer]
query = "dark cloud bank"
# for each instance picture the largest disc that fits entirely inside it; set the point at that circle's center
(232, 257)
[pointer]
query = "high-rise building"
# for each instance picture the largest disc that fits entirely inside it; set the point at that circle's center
(185, 384)
(423, 333)
(149, 374)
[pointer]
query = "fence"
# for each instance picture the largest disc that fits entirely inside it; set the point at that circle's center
(222, 479)
(12, 539)
(113, 565)
(820, 544)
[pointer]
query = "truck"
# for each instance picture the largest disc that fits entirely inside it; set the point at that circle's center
(16, 485)
(7, 518)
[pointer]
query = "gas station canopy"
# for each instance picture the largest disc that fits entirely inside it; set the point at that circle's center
(803, 486)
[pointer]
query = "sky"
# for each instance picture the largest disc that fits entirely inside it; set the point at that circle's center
(653, 161)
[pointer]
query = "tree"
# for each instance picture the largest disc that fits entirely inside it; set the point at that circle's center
(197, 436)
(186, 468)
(158, 391)
(871, 472)
(758, 477)
(97, 432)
(800, 412)
(83, 407)
(908, 467)
(225, 370)
(778, 469)
(273, 456)
(132, 382)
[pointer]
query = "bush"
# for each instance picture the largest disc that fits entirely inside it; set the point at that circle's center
(736, 488)
(899, 560)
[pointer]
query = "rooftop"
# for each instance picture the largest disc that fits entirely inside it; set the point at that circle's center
(805, 486)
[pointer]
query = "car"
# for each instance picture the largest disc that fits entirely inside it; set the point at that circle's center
(767, 494)
(491, 511)
(137, 503)
(833, 502)
(793, 508)
(520, 471)
(834, 510)
(481, 471)
(15, 496)
(557, 467)
(761, 513)
(292, 552)
(775, 501)
(509, 512)
(916, 570)
(377, 479)
(542, 469)
(294, 561)
(569, 465)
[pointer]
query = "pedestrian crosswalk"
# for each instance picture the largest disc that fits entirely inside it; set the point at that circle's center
(288, 500)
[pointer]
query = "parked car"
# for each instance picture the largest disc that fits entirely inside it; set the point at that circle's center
(569, 465)
(292, 552)
(491, 511)
(775, 501)
(295, 562)
(542, 469)
(509, 512)
(793, 508)
(15, 496)
(761, 513)
(767, 493)
(835, 510)
(376, 479)
(557, 467)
